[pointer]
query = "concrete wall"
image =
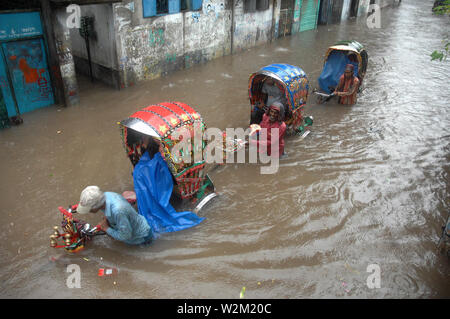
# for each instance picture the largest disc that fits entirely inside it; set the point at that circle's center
(102, 42)
(251, 29)
(65, 57)
(345, 10)
(102, 45)
(207, 33)
(363, 8)
(150, 47)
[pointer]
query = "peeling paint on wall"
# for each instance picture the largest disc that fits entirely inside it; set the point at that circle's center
(150, 47)
(251, 29)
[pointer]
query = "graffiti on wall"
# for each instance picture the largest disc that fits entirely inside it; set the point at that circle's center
(28, 68)
(156, 37)
(213, 8)
(195, 17)
(64, 54)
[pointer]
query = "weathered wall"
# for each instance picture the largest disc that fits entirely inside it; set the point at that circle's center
(102, 45)
(64, 51)
(251, 29)
(150, 47)
(207, 32)
(345, 10)
(363, 8)
(276, 18)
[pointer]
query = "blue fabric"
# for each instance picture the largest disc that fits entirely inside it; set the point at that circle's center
(333, 69)
(125, 223)
(153, 185)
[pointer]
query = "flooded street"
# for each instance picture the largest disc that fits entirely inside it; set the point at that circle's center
(369, 185)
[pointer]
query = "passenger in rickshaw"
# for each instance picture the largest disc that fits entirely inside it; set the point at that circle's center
(273, 93)
(153, 185)
(348, 86)
(272, 119)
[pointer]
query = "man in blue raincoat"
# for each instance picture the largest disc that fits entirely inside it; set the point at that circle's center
(153, 185)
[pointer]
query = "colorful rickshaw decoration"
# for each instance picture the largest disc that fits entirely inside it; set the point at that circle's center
(167, 123)
(291, 80)
(336, 58)
(74, 233)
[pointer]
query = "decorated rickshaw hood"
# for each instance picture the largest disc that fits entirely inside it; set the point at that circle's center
(160, 120)
(351, 46)
(285, 73)
(292, 77)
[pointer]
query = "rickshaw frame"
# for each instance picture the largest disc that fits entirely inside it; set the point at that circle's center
(160, 121)
(296, 88)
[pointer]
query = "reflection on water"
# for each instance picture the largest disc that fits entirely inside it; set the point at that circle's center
(370, 185)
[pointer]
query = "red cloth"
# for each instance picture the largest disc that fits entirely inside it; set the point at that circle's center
(350, 87)
(265, 123)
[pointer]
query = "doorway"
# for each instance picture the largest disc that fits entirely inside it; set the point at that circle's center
(24, 74)
(354, 8)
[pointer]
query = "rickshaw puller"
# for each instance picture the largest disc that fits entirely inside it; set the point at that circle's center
(347, 87)
(121, 221)
(272, 119)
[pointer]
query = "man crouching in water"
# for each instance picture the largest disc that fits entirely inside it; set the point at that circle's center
(120, 221)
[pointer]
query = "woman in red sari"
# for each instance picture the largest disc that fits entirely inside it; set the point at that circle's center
(348, 86)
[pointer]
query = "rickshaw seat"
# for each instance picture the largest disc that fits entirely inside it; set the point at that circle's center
(130, 196)
(333, 69)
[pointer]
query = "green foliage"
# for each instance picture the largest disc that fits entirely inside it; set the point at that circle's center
(441, 8)
(442, 54)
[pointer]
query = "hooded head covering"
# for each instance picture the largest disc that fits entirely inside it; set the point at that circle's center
(278, 107)
(349, 67)
(91, 198)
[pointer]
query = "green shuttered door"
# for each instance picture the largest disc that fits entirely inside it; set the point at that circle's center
(309, 13)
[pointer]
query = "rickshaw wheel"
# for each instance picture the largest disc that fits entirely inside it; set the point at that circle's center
(319, 100)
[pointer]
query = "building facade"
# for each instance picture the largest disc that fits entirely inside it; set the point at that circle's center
(47, 45)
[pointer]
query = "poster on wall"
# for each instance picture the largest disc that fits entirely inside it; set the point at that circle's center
(27, 66)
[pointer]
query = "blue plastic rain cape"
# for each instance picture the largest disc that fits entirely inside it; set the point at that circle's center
(333, 69)
(153, 185)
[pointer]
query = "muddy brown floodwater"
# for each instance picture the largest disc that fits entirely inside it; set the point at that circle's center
(370, 185)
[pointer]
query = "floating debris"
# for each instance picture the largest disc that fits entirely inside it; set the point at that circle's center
(242, 293)
(107, 272)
